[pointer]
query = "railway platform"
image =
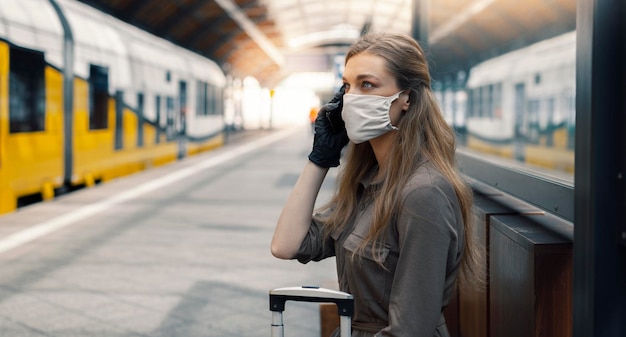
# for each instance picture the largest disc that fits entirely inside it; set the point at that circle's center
(177, 250)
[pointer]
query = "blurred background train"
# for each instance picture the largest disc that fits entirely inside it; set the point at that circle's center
(520, 105)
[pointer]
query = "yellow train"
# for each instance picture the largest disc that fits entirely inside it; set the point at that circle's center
(85, 98)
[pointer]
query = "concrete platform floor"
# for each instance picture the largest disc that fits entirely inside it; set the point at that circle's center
(178, 250)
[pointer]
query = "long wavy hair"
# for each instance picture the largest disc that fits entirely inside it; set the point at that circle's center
(423, 134)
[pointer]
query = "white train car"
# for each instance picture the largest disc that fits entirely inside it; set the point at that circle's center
(521, 104)
(146, 67)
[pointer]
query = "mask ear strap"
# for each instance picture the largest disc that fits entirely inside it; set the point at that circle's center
(408, 95)
(396, 96)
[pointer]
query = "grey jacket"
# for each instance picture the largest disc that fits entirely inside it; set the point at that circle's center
(421, 255)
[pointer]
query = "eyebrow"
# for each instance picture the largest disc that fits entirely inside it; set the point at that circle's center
(363, 76)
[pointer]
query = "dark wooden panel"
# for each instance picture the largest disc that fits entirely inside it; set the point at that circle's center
(553, 289)
(511, 289)
(473, 303)
(530, 276)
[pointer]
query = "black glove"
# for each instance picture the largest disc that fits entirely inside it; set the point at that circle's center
(330, 133)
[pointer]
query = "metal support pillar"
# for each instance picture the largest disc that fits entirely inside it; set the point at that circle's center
(421, 21)
(599, 296)
(68, 93)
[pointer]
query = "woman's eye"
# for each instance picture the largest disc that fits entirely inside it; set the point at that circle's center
(366, 84)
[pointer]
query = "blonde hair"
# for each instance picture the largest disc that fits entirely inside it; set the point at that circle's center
(423, 134)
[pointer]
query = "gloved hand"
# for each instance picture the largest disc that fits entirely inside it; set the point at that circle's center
(330, 133)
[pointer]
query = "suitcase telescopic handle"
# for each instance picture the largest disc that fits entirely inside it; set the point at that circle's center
(278, 297)
(344, 301)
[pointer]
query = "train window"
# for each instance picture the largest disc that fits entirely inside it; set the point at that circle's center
(98, 97)
(219, 99)
(532, 121)
(497, 101)
(202, 99)
(212, 100)
(476, 100)
(27, 93)
(550, 107)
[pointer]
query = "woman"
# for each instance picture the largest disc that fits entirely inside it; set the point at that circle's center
(400, 219)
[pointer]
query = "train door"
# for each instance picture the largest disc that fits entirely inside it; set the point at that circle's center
(182, 105)
(182, 119)
(157, 106)
(550, 126)
(169, 115)
(119, 119)
(140, 119)
(518, 138)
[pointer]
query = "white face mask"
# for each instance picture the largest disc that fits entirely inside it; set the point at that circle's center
(367, 116)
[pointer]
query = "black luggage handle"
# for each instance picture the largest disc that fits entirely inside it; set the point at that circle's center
(343, 300)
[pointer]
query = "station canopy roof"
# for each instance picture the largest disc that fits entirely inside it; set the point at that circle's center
(269, 39)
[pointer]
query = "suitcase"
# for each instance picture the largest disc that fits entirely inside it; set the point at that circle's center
(278, 297)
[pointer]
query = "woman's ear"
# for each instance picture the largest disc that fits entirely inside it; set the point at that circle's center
(405, 100)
